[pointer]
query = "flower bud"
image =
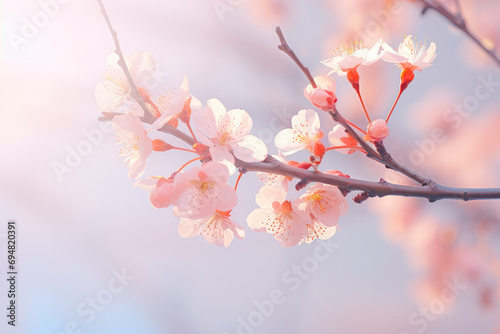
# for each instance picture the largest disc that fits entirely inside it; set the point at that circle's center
(377, 130)
(323, 96)
(160, 146)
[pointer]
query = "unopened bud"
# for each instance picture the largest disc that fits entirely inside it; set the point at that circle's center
(160, 146)
(377, 130)
(407, 77)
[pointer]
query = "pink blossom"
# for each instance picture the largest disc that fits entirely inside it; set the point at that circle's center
(377, 130)
(410, 55)
(323, 203)
(114, 90)
(198, 192)
(278, 217)
(304, 135)
(170, 105)
(161, 190)
(350, 57)
(339, 138)
(217, 229)
(323, 96)
(227, 133)
(137, 146)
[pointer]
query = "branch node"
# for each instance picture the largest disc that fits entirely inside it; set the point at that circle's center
(360, 198)
(301, 184)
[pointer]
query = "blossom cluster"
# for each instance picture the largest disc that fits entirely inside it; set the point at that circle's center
(201, 196)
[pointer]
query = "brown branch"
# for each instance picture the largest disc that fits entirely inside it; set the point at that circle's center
(432, 192)
(379, 189)
(286, 49)
(459, 22)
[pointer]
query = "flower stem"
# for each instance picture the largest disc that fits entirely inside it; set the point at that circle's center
(187, 163)
(363, 104)
(341, 147)
(355, 126)
(394, 105)
(237, 181)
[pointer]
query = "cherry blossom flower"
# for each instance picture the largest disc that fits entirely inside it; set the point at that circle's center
(323, 96)
(198, 192)
(377, 130)
(323, 203)
(171, 105)
(114, 90)
(161, 190)
(217, 229)
(278, 217)
(341, 141)
(410, 55)
(137, 146)
(227, 133)
(349, 57)
(304, 135)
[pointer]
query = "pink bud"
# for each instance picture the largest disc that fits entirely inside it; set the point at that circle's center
(378, 130)
(323, 96)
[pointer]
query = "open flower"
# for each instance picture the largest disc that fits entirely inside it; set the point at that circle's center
(198, 192)
(278, 217)
(323, 96)
(217, 229)
(305, 134)
(410, 55)
(170, 106)
(323, 203)
(342, 141)
(350, 57)
(137, 146)
(161, 190)
(114, 90)
(227, 133)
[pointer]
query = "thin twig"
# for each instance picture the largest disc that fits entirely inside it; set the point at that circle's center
(459, 22)
(148, 117)
(286, 49)
(371, 153)
(121, 62)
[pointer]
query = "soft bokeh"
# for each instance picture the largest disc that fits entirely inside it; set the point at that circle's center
(390, 256)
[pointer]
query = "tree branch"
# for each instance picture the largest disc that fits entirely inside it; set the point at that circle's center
(121, 62)
(286, 49)
(459, 22)
(432, 192)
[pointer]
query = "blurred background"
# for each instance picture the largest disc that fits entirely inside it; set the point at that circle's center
(95, 257)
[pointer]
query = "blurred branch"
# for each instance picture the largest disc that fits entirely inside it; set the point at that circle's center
(458, 21)
(148, 117)
(121, 62)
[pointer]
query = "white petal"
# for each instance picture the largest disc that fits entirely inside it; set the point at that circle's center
(250, 149)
